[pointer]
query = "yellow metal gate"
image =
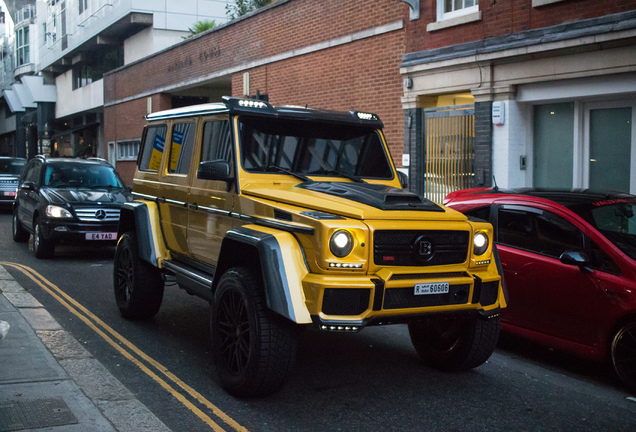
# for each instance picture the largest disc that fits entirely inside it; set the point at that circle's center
(449, 150)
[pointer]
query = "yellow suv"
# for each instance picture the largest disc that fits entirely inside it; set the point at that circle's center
(286, 216)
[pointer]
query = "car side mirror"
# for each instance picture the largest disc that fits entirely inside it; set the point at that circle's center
(28, 185)
(214, 170)
(579, 259)
(404, 179)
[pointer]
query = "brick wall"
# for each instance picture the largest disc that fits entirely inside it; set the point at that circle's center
(502, 17)
(362, 75)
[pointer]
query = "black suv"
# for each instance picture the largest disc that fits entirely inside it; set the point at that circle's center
(10, 170)
(67, 200)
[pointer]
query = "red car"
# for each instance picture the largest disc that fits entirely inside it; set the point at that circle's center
(569, 263)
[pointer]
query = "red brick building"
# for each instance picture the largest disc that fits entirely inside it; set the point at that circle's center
(327, 54)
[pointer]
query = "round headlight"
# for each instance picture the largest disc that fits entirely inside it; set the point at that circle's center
(480, 243)
(57, 212)
(341, 243)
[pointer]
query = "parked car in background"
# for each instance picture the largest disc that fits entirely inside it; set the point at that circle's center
(63, 200)
(10, 170)
(569, 264)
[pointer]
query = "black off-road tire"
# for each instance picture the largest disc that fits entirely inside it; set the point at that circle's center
(455, 344)
(254, 349)
(138, 284)
(20, 235)
(42, 248)
(623, 355)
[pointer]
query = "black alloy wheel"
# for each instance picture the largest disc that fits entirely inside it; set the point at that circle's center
(138, 285)
(42, 248)
(20, 235)
(254, 349)
(623, 354)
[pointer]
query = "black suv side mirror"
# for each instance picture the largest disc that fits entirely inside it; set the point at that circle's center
(28, 185)
(214, 170)
(404, 179)
(579, 259)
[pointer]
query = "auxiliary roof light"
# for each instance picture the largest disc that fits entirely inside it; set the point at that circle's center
(365, 116)
(248, 103)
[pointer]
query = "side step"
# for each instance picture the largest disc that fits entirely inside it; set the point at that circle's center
(190, 279)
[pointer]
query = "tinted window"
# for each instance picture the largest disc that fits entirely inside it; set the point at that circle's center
(33, 173)
(12, 166)
(217, 142)
(181, 148)
(153, 145)
(312, 148)
(537, 231)
(479, 213)
(74, 175)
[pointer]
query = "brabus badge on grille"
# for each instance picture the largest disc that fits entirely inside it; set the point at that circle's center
(100, 214)
(424, 247)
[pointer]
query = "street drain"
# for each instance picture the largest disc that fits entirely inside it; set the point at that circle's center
(34, 414)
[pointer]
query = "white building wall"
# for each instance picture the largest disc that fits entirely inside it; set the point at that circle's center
(509, 145)
(149, 41)
(71, 101)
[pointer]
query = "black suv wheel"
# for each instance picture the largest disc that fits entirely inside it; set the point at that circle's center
(20, 235)
(254, 349)
(42, 248)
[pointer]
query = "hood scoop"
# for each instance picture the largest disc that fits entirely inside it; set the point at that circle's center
(374, 195)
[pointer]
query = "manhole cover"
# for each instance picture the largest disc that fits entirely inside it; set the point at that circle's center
(34, 414)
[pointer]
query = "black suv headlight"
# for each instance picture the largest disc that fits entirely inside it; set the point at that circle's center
(341, 243)
(53, 211)
(480, 243)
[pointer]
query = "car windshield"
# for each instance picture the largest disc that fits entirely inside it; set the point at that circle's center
(311, 148)
(614, 218)
(71, 175)
(11, 166)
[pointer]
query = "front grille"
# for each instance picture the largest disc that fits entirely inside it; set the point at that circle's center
(97, 214)
(419, 248)
(345, 301)
(8, 185)
(402, 298)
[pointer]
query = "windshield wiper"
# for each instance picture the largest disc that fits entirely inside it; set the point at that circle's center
(276, 168)
(339, 173)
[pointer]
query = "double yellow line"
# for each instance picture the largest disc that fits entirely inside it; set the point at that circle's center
(132, 353)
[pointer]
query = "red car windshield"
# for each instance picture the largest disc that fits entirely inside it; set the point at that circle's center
(614, 218)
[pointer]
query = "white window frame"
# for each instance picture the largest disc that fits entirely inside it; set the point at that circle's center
(442, 16)
(124, 148)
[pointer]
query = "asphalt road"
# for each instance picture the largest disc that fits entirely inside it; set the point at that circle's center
(372, 380)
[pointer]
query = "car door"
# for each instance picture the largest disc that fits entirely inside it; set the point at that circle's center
(546, 295)
(28, 193)
(175, 185)
(211, 201)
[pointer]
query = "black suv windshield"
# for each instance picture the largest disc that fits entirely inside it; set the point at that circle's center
(11, 166)
(80, 175)
(614, 218)
(313, 148)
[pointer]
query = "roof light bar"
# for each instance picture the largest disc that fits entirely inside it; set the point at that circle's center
(249, 103)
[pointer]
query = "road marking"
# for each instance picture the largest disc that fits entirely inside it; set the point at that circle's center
(631, 398)
(86, 316)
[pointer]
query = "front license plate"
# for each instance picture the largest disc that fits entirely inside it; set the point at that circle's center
(101, 236)
(432, 288)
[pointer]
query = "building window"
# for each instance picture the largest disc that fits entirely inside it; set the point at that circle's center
(447, 9)
(128, 150)
(22, 46)
(83, 5)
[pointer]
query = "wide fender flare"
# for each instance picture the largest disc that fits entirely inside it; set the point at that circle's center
(142, 218)
(504, 288)
(282, 265)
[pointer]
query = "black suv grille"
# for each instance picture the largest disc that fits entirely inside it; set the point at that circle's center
(419, 248)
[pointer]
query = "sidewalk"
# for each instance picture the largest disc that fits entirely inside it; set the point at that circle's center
(48, 380)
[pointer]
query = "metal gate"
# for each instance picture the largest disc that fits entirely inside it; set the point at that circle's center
(449, 133)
